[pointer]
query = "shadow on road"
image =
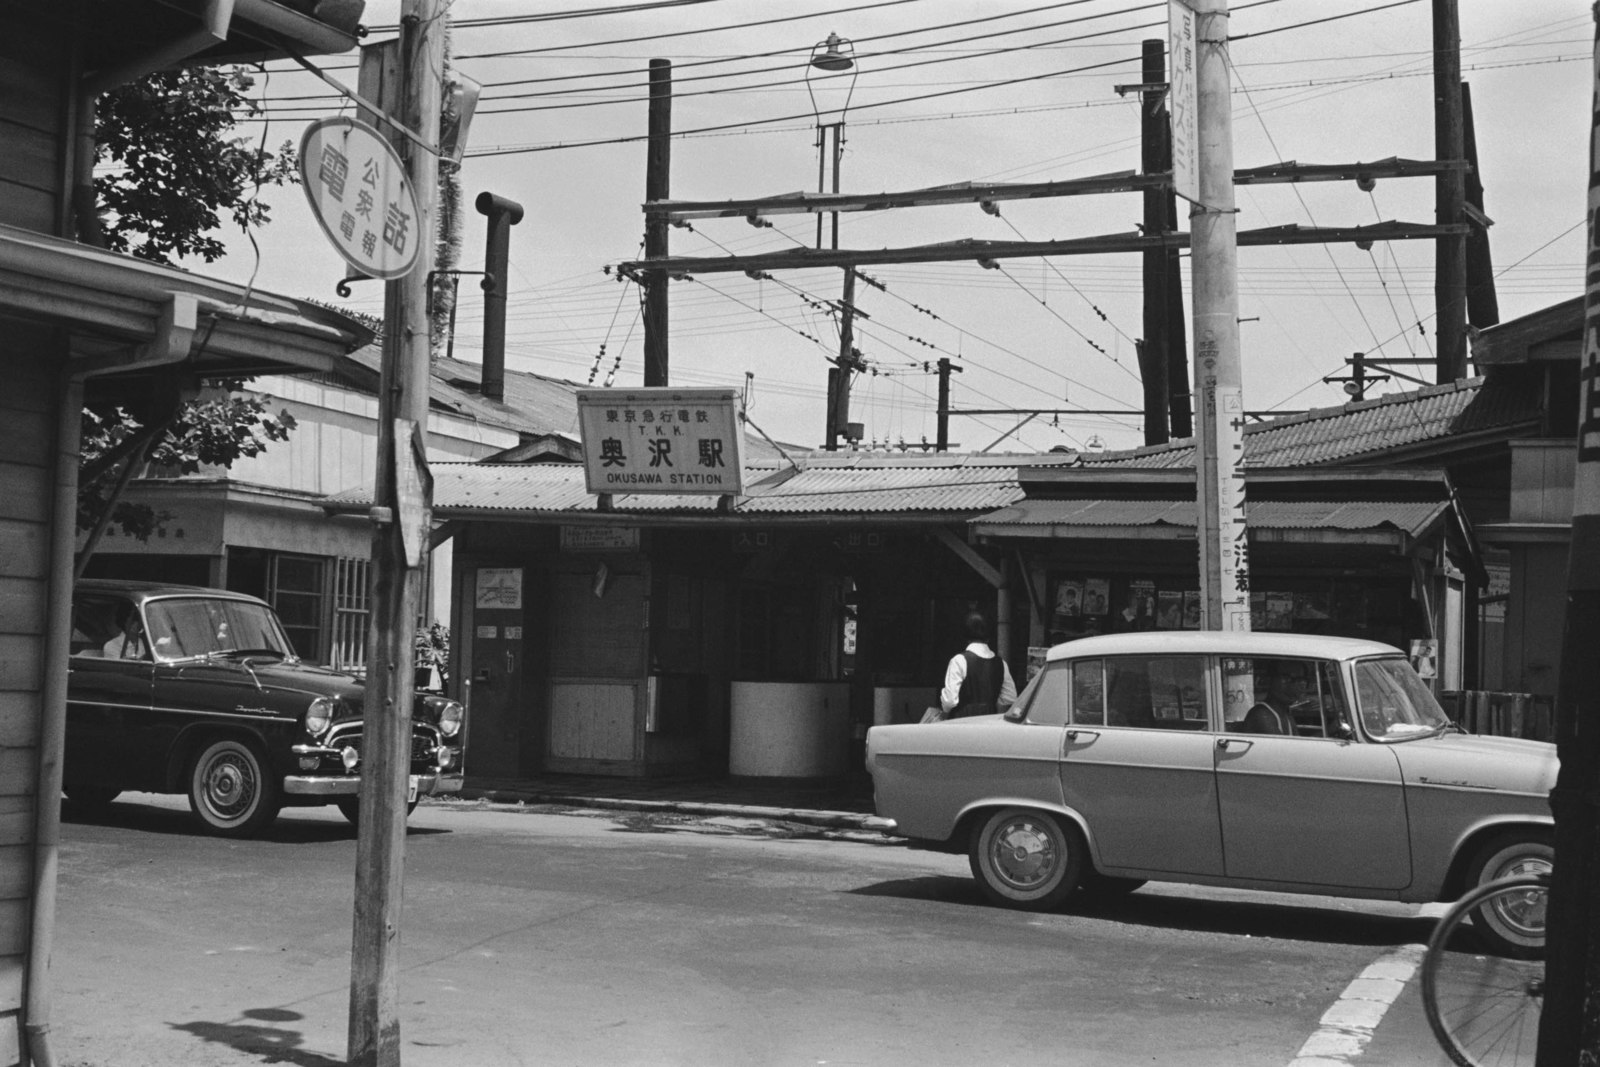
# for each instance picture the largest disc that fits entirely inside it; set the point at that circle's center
(272, 1044)
(1269, 916)
(145, 818)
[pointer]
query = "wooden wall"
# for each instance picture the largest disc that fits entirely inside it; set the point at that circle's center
(27, 437)
(34, 62)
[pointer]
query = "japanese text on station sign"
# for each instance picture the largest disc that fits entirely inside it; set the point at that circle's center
(359, 193)
(661, 441)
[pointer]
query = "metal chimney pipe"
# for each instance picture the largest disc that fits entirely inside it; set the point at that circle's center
(503, 214)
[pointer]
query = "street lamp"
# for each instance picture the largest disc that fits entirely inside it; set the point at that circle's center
(834, 56)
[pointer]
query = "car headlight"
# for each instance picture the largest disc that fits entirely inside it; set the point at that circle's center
(319, 716)
(451, 716)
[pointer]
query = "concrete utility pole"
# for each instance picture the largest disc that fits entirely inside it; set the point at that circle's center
(1450, 259)
(403, 502)
(657, 186)
(1218, 389)
(1569, 1027)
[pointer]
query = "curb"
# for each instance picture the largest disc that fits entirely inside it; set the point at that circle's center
(845, 820)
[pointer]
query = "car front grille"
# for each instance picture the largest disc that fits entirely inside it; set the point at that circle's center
(423, 745)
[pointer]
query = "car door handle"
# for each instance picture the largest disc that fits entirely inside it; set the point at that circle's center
(1224, 742)
(1073, 735)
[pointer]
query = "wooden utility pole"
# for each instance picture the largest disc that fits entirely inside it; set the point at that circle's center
(1569, 1028)
(945, 367)
(1450, 258)
(657, 186)
(839, 375)
(1155, 158)
(402, 503)
(1218, 380)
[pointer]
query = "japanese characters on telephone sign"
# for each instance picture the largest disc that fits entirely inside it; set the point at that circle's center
(662, 440)
(359, 193)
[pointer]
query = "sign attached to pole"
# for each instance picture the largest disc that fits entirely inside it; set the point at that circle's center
(361, 197)
(661, 440)
(1183, 101)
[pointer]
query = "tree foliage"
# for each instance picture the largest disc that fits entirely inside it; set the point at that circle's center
(170, 167)
(211, 432)
(170, 172)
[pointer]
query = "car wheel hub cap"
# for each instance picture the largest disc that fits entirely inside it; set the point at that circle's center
(228, 786)
(1024, 855)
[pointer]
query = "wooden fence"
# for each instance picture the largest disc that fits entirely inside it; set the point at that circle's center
(1480, 711)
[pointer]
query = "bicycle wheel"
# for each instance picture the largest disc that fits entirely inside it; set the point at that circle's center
(1483, 1007)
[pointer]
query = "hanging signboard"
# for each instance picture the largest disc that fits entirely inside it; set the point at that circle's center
(1182, 101)
(661, 440)
(361, 197)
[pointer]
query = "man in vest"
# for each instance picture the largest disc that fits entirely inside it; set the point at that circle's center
(977, 682)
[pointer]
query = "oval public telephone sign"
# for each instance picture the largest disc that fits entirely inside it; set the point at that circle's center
(361, 197)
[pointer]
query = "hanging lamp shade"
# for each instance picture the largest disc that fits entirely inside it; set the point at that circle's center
(837, 54)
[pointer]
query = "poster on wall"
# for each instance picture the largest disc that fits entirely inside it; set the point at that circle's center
(1191, 609)
(1036, 658)
(1280, 611)
(1097, 596)
(1169, 613)
(1139, 611)
(498, 587)
(1425, 657)
(1069, 599)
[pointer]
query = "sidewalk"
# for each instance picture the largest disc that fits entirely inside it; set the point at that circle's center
(834, 802)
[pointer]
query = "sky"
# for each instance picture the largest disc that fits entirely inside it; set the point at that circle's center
(948, 91)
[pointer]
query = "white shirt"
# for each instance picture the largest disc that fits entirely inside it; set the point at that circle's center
(956, 673)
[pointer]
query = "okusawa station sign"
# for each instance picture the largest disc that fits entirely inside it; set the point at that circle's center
(661, 440)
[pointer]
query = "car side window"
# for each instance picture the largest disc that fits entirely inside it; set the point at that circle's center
(1156, 692)
(1088, 692)
(1284, 696)
(1047, 697)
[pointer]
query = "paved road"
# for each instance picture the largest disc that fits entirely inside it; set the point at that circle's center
(617, 939)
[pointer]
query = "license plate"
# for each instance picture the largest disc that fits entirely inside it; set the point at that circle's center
(411, 790)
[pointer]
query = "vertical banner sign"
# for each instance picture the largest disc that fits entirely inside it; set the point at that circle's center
(1181, 103)
(361, 197)
(661, 440)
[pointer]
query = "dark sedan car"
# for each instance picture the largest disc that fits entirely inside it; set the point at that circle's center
(177, 689)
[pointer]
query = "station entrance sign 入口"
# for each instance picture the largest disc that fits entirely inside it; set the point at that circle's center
(682, 441)
(361, 197)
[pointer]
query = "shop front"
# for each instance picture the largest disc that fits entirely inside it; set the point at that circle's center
(1358, 553)
(668, 636)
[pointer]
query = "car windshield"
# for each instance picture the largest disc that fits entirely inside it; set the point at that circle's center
(1395, 704)
(187, 627)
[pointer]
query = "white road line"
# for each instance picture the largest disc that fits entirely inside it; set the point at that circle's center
(1348, 1026)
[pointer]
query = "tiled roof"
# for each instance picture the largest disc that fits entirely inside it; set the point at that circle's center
(826, 484)
(1363, 430)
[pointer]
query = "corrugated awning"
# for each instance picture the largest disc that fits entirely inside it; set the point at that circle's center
(1326, 522)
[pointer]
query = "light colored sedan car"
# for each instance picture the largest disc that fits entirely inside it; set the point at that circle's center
(1282, 762)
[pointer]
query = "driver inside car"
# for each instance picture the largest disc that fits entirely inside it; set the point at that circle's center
(1275, 714)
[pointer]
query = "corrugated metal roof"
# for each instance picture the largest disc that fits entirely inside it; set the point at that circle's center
(827, 486)
(1412, 517)
(1359, 430)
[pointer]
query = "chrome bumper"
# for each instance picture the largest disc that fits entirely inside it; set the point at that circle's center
(348, 785)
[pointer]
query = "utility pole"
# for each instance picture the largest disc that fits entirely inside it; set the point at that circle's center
(1483, 306)
(945, 367)
(839, 374)
(1569, 1027)
(1219, 393)
(1155, 158)
(657, 186)
(403, 503)
(1355, 383)
(1450, 258)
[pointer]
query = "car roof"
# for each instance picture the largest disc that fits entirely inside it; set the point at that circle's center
(143, 591)
(1220, 642)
